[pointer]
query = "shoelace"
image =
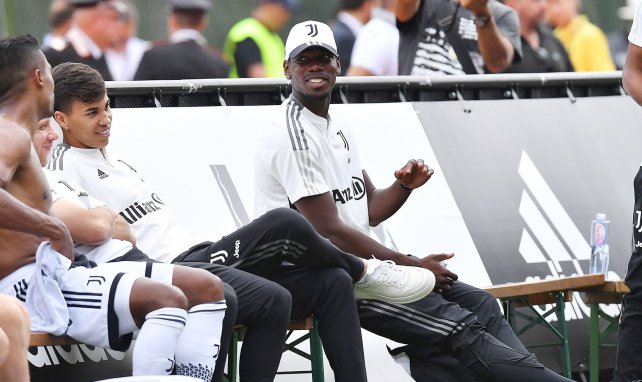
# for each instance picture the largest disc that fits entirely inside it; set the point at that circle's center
(388, 273)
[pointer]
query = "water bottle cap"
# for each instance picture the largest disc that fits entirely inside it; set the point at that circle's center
(600, 216)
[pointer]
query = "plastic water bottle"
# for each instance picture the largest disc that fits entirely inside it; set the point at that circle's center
(599, 262)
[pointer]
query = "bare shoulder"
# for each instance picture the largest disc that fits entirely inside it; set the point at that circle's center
(13, 134)
(16, 148)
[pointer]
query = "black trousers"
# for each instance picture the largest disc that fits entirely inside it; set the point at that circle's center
(628, 366)
(458, 336)
(283, 246)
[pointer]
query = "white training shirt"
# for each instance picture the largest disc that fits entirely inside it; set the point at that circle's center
(635, 36)
(109, 178)
(376, 48)
(301, 155)
(62, 186)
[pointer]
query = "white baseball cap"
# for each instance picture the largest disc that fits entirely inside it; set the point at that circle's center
(309, 33)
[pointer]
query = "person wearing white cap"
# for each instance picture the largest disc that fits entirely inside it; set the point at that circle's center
(309, 160)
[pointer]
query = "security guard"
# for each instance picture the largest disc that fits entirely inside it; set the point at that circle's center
(92, 32)
(253, 45)
(185, 55)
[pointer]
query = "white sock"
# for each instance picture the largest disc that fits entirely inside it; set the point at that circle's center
(199, 344)
(156, 342)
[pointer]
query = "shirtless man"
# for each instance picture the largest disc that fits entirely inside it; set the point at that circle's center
(26, 96)
(170, 337)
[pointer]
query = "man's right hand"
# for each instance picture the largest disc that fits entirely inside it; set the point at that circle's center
(443, 277)
(62, 242)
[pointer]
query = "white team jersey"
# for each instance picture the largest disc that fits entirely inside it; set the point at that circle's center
(635, 35)
(302, 155)
(62, 186)
(109, 178)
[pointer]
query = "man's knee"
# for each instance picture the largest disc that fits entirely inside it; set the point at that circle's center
(14, 317)
(199, 285)
(148, 295)
(277, 299)
(288, 218)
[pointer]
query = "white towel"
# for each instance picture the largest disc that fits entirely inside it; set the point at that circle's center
(45, 301)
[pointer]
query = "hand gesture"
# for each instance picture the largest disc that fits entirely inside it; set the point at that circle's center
(414, 174)
(443, 277)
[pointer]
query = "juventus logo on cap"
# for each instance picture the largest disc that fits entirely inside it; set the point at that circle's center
(313, 30)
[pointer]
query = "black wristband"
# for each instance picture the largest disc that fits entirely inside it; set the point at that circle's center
(405, 187)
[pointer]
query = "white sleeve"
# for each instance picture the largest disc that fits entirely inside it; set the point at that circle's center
(287, 171)
(300, 171)
(635, 36)
(376, 49)
(63, 186)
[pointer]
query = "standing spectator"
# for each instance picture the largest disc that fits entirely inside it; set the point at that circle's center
(253, 45)
(376, 47)
(93, 30)
(60, 13)
(14, 340)
(542, 51)
(352, 16)
(186, 54)
(471, 37)
(628, 366)
(585, 43)
(123, 59)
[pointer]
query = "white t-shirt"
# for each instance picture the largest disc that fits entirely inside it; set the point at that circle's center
(635, 36)
(109, 178)
(62, 186)
(376, 48)
(302, 155)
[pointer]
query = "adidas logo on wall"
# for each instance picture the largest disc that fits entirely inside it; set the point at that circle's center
(102, 175)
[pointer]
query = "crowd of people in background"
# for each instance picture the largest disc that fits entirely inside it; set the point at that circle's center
(546, 36)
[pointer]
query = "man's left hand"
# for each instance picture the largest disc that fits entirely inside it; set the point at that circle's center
(414, 174)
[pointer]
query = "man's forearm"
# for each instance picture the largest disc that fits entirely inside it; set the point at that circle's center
(632, 73)
(353, 241)
(496, 50)
(17, 216)
(382, 204)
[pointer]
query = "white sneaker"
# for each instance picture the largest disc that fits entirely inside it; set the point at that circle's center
(386, 281)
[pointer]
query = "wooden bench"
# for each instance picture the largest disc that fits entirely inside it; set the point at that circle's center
(609, 293)
(315, 356)
(556, 292)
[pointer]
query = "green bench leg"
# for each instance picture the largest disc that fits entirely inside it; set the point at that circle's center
(561, 320)
(316, 353)
(594, 344)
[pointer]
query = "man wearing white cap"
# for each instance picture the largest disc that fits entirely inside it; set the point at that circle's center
(309, 161)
